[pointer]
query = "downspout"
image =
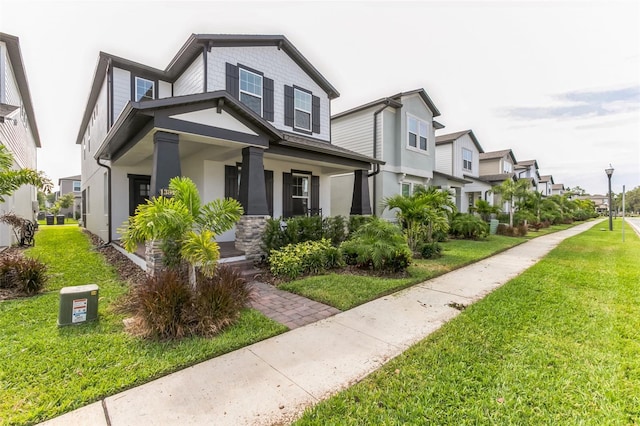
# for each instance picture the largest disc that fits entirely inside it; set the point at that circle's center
(108, 200)
(376, 167)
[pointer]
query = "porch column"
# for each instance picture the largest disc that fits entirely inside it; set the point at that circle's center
(253, 193)
(166, 161)
(360, 203)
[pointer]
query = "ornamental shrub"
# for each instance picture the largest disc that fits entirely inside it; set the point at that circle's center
(25, 275)
(469, 226)
(313, 257)
(378, 245)
(282, 232)
(430, 250)
(356, 221)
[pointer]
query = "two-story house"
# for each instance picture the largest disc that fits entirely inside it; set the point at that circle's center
(458, 168)
(398, 130)
(545, 185)
(528, 169)
(558, 189)
(243, 116)
(18, 130)
(495, 168)
(71, 184)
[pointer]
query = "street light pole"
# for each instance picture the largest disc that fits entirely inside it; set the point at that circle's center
(609, 172)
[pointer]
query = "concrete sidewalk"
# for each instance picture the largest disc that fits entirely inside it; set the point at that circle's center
(274, 380)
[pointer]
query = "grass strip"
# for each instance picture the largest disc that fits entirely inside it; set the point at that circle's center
(557, 345)
(47, 371)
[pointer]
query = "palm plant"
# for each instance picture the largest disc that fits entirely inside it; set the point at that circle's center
(186, 227)
(511, 191)
(11, 180)
(484, 209)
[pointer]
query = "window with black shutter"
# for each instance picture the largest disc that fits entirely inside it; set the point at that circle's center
(301, 110)
(300, 194)
(252, 88)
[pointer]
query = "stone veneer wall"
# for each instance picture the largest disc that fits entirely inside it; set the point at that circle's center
(249, 235)
(153, 255)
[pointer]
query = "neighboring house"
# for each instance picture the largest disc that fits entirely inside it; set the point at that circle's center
(528, 169)
(71, 184)
(545, 185)
(18, 130)
(243, 116)
(397, 130)
(558, 189)
(458, 168)
(495, 168)
(601, 202)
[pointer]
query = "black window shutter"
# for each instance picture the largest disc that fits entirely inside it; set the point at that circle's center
(268, 183)
(232, 80)
(315, 193)
(267, 94)
(288, 106)
(315, 114)
(231, 182)
(287, 201)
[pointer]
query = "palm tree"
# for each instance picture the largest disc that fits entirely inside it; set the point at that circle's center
(186, 227)
(11, 180)
(485, 209)
(510, 191)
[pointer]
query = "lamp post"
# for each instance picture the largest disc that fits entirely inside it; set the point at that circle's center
(609, 172)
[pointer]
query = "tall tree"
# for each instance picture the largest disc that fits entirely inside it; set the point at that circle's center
(511, 191)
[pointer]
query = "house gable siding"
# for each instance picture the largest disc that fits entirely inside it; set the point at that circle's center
(465, 142)
(354, 132)
(121, 90)
(192, 79)
(413, 161)
(276, 65)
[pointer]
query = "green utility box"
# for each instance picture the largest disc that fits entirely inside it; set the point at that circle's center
(78, 304)
(493, 226)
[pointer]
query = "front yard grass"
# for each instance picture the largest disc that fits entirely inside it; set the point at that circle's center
(556, 345)
(47, 370)
(344, 291)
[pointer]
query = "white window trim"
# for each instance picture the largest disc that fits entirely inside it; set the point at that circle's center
(295, 108)
(73, 186)
(153, 88)
(308, 196)
(470, 168)
(240, 91)
(417, 147)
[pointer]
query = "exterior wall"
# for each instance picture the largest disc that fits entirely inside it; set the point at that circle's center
(490, 167)
(164, 89)
(66, 186)
(192, 79)
(121, 90)
(354, 131)
(410, 160)
(119, 194)
(276, 65)
(465, 142)
(444, 158)
(3, 72)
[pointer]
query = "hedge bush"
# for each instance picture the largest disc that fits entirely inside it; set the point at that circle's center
(468, 226)
(23, 274)
(313, 257)
(279, 233)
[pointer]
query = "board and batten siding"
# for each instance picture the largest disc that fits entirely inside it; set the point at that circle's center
(275, 64)
(121, 90)
(355, 132)
(444, 158)
(192, 79)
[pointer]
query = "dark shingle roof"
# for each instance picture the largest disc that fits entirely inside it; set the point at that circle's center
(450, 137)
(394, 101)
(498, 177)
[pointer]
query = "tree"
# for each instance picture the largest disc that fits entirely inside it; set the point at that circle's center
(484, 209)
(511, 191)
(41, 200)
(66, 200)
(632, 199)
(11, 180)
(186, 227)
(577, 190)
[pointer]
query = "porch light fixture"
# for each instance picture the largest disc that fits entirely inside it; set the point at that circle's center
(609, 173)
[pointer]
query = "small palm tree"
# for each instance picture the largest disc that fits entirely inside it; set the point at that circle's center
(484, 209)
(186, 227)
(11, 180)
(511, 191)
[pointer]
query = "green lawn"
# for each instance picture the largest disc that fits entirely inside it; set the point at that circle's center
(347, 291)
(557, 345)
(47, 370)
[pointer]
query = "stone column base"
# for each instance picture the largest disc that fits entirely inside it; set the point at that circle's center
(249, 235)
(154, 256)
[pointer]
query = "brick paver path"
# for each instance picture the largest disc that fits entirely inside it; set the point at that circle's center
(287, 308)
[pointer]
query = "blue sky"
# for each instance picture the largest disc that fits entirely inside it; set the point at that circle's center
(556, 81)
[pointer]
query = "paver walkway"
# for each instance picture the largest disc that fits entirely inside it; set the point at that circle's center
(272, 381)
(287, 308)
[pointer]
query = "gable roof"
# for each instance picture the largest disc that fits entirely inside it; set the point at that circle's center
(557, 186)
(497, 154)
(500, 177)
(196, 44)
(546, 178)
(15, 56)
(76, 177)
(450, 137)
(394, 101)
(526, 164)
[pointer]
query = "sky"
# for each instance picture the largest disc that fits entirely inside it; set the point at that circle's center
(555, 81)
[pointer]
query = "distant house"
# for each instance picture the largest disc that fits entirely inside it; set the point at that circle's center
(458, 169)
(495, 168)
(528, 169)
(71, 184)
(558, 189)
(399, 131)
(18, 130)
(545, 185)
(243, 116)
(601, 202)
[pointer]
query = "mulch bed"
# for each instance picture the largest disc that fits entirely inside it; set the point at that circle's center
(126, 269)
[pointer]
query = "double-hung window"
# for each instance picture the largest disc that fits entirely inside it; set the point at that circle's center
(506, 167)
(251, 90)
(302, 109)
(144, 89)
(467, 159)
(76, 186)
(300, 194)
(417, 134)
(406, 189)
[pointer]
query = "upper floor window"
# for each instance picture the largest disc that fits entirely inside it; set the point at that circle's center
(506, 167)
(417, 135)
(144, 89)
(467, 159)
(251, 90)
(406, 189)
(302, 107)
(76, 186)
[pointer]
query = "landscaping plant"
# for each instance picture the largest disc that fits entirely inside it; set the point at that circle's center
(294, 260)
(468, 226)
(24, 275)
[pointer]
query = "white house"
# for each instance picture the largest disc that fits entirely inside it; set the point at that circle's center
(18, 130)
